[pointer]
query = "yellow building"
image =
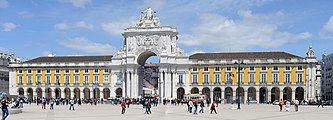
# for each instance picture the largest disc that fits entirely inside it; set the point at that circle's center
(264, 76)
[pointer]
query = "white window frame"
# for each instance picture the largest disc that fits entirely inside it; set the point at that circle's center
(106, 78)
(263, 78)
(217, 69)
(287, 78)
(228, 76)
(275, 78)
(96, 81)
(217, 78)
(299, 77)
(180, 78)
(251, 77)
(76, 79)
(206, 77)
(29, 79)
(195, 78)
(67, 78)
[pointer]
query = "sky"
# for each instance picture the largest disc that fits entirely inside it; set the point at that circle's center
(34, 28)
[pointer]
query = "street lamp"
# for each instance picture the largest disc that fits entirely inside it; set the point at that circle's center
(238, 88)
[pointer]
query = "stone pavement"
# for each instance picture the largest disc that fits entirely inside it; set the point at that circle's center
(171, 112)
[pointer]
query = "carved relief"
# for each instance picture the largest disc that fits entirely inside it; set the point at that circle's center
(147, 40)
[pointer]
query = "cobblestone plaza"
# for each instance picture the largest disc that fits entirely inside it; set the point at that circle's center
(171, 112)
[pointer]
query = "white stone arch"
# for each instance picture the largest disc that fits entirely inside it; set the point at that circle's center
(143, 55)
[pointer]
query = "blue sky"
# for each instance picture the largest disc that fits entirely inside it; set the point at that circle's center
(33, 28)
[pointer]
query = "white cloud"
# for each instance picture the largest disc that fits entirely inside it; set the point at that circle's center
(8, 26)
(78, 3)
(86, 46)
(3, 3)
(327, 30)
(82, 24)
(117, 27)
(25, 14)
(248, 32)
(79, 25)
(61, 26)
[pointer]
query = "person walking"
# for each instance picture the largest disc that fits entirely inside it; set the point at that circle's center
(281, 103)
(71, 102)
(296, 102)
(123, 107)
(51, 103)
(4, 108)
(43, 103)
(202, 105)
(148, 106)
(287, 106)
(320, 103)
(195, 107)
(212, 108)
(190, 103)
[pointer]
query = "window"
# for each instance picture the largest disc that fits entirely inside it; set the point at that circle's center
(205, 78)
(275, 78)
(57, 70)
(48, 81)
(57, 77)
(96, 70)
(106, 79)
(206, 69)
(287, 79)
(76, 70)
(299, 78)
(20, 71)
(195, 78)
(86, 70)
(217, 68)
(106, 70)
(217, 78)
(38, 79)
(38, 71)
(96, 79)
(86, 79)
(180, 78)
(195, 69)
(263, 68)
(29, 71)
(29, 79)
(299, 67)
(76, 79)
(67, 79)
(251, 78)
(67, 71)
(275, 68)
(228, 77)
(20, 79)
(48, 71)
(287, 67)
(251, 68)
(228, 68)
(263, 78)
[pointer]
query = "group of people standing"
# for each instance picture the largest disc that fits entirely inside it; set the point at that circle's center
(193, 104)
(288, 105)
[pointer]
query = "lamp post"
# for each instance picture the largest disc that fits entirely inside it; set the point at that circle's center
(238, 88)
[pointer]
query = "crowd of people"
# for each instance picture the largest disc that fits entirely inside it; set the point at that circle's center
(194, 106)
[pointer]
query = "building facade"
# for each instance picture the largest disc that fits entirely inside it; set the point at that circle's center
(326, 78)
(5, 60)
(264, 76)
